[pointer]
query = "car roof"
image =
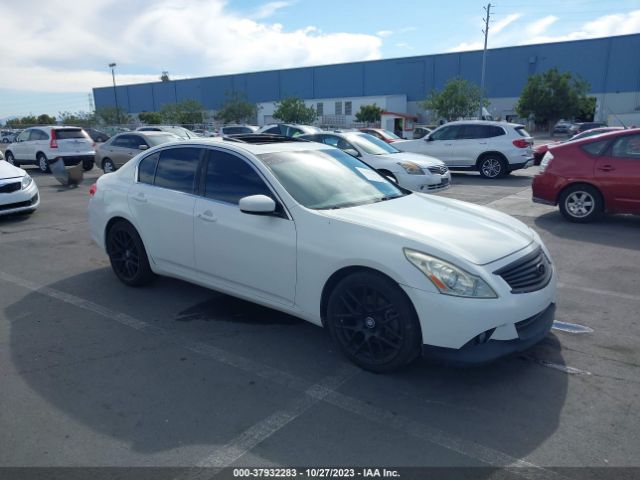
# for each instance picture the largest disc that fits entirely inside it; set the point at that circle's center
(482, 122)
(254, 148)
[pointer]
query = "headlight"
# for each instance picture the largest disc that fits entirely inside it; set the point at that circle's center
(411, 168)
(26, 181)
(448, 278)
(545, 161)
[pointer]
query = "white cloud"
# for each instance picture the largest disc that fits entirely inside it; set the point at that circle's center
(539, 26)
(504, 23)
(56, 48)
(614, 24)
(384, 33)
(267, 10)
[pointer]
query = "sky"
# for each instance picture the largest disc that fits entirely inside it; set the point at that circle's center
(56, 51)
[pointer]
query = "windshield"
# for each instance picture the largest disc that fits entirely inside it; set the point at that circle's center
(370, 144)
(326, 179)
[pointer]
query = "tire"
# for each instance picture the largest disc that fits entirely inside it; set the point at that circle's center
(581, 203)
(41, 159)
(108, 166)
(5, 140)
(128, 256)
(373, 322)
(492, 166)
(8, 156)
(87, 165)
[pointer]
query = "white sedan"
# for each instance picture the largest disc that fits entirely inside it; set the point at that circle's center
(18, 191)
(313, 232)
(412, 171)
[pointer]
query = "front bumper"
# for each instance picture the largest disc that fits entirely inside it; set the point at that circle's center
(21, 201)
(424, 183)
(480, 351)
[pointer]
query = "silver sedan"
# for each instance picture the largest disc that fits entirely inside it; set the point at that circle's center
(121, 148)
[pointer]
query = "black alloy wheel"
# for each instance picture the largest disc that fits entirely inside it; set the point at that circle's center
(373, 322)
(127, 255)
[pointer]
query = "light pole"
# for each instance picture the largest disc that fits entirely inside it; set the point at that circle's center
(115, 93)
(484, 55)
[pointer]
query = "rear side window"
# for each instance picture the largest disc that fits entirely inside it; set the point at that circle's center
(522, 132)
(69, 133)
(480, 131)
(626, 147)
(147, 168)
(38, 135)
(273, 130)
(595, 148)
(229, 178)
(177, 169)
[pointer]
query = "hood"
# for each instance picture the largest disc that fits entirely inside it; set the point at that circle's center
(478, 234)
(9, 171)
(418, 158)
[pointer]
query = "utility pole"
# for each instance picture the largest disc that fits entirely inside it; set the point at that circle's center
(484, 54)
(115, 93)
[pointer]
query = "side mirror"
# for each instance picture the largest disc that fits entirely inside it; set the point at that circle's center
(352, 151)
(143, 147)
(257, 204)
(428, 138)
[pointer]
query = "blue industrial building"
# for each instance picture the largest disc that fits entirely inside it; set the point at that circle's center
(611, 66)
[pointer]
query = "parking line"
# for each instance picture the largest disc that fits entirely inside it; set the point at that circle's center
(318, 392)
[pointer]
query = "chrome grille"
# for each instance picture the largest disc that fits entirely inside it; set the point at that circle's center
(10, 187)
(529, 273)
(441, 169)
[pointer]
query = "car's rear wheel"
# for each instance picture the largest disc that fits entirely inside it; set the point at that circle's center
(127, 255)
(8, 156)
(581, 203)
(492, 166)
(373, 322)
(108, 166)
(43, 165)
(87, 165)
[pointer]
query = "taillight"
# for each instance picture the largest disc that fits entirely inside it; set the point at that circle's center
(93, 189)
(53, 143)
(546, 161)
(521, 143)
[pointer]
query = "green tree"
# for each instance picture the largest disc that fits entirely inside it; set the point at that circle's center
(236, 109)
(187, 112)
(150, 118)
(45, 119)
(81, 119)
(459, 98)
(369, 113)
(552, 95)
(294, 110)
(586, 110)
(113, 116)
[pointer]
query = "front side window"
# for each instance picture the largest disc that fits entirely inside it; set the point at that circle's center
(627, 147)
(446, 133)
(275, 130)
(177, 169)
(123, 141)
(229, 178)
(328, 179)
(24, 136)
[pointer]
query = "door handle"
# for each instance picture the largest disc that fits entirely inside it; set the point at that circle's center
(207, 216)
(607, 168)
(140, 198)
(448, 144)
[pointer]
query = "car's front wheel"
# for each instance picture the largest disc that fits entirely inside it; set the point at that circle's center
(8, 156)
(43, 165)
(108, 166)
(373, 322)
(492, 166)
(127, 255)
(581, 203)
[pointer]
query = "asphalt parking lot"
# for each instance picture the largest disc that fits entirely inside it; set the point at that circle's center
(93, 373)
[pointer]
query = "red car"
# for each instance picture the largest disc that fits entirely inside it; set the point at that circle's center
(539, 152)
(588, 177)
(382, 134)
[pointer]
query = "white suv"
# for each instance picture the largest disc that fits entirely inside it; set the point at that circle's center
(40, 145)
(493, 148)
